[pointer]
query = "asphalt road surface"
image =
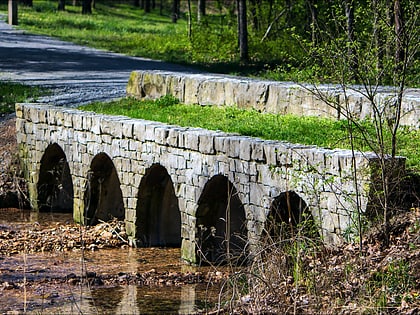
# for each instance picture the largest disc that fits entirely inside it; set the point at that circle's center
(76, 74)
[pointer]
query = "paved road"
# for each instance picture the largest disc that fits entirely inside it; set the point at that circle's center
(76, 74)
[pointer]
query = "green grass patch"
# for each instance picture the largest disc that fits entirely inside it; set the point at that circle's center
(323, 132)
(11, 93)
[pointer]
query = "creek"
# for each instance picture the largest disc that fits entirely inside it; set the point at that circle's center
(41, 282)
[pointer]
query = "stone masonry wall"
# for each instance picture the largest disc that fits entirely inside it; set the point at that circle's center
(260, 170)
(267, 96)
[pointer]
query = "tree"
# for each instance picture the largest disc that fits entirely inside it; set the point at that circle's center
(242, 30)
(201, 9)
(402, 37)
(61, 5)
(87, 7)
(147, 6)
(349, 8)
(175, 10)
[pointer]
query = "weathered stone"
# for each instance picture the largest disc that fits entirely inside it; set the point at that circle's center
(259, 170)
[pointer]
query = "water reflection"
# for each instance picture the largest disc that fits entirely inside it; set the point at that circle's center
(130, 299)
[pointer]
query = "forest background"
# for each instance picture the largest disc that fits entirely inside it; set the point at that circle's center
(304, 40)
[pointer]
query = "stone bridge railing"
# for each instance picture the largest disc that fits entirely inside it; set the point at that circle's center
(177, 186)
(271, 96)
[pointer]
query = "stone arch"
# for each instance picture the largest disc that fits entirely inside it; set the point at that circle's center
(55, 185)
(289, 214)
(103, 197)
(158, 219)
(221, 223)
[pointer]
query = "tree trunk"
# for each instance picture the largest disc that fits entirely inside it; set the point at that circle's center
(136, 3)
(147, 6)
(189, 20)
(76, 3)
(175, 10)
(242, 31)
(313, 10)
(378, 37)
(201, 9)
(13, 12)
(61, 5)
(87, 7)
(254, 14)
(353, 61)
(399, 35)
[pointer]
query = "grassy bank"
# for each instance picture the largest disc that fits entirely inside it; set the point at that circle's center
(11, 93)
(305, 130)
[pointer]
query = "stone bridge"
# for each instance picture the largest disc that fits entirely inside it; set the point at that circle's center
(209, 192)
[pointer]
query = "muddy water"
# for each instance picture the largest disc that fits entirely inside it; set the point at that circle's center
(34, 282)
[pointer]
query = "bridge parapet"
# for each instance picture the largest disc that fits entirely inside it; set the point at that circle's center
(173, 181)
(271, 96)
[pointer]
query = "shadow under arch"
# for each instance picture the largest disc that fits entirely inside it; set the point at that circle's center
(221, 223)
(289, 215)
(158, 218)
(103, 197)
(55, 185)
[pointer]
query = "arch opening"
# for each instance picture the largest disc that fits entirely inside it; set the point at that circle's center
(103, 197)
(158, 220)
(221, 223)
(289, 216)
(55, 185)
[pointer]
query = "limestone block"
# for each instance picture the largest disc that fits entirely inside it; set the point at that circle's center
(153, 85)
(149, 133)
(68, 119)
(77, 122)
(191, 88)
(161, 135)
(220, 144)
(139, 129)
(191, 139)
(270, 152)
(19, 110)
(211, 92)
(173, 134)
(188, 251)
(111, 127)
(127, 128)
(245, 148)
(96, 124)
(134, 84)
(277, 98)
(206, 143)
(256, 193)
(233, 146)
(175, 86)
(33, 115)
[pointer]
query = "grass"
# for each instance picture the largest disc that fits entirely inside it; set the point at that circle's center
(11, 93)
(322, 132)
(117, 27)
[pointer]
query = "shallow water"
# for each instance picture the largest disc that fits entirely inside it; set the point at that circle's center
(34, 282)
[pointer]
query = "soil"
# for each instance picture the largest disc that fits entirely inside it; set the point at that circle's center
(346, 279)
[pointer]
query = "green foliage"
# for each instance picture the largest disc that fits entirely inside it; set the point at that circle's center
(283, 44)
(394, 280)
(322, 132)
(11, 93)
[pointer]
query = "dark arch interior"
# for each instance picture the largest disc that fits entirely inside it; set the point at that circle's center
(55, 186)
(103, 196)
(289, 215)
(221, 223)
(158, 220)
